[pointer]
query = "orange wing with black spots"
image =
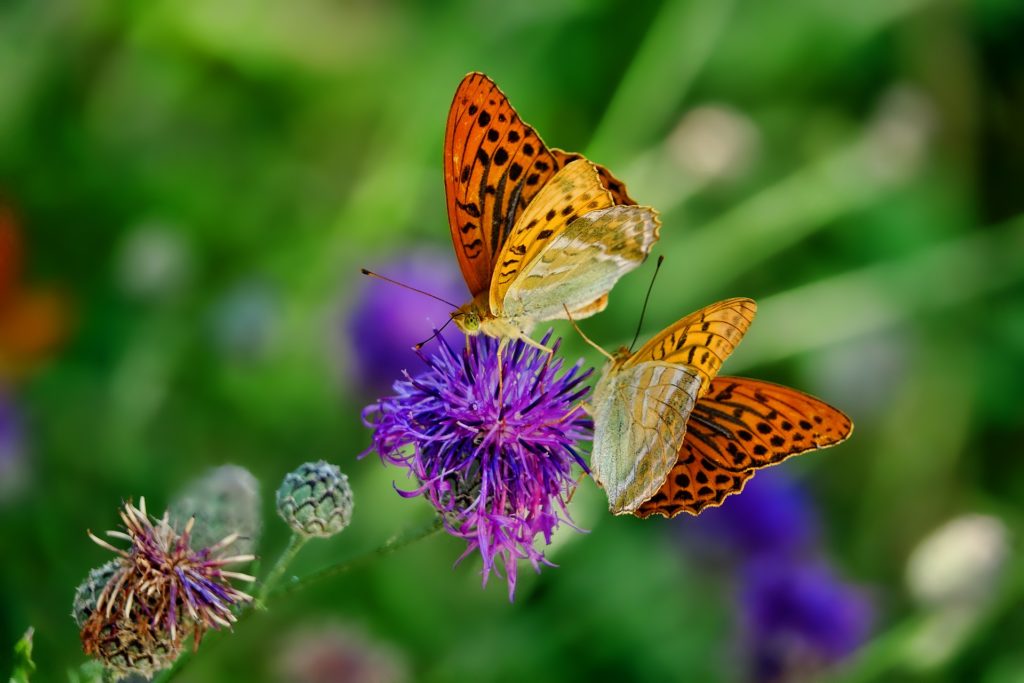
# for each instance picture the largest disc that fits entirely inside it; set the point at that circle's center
(494, 164)
(616, 187)
(740, 426)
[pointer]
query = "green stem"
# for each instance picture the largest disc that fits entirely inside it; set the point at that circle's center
(179, 663)
(393, 544)
(270, 589)
(295, 544)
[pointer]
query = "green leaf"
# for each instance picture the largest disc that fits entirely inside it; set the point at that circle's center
(23, 664)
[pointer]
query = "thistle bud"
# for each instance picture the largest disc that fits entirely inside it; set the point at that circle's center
(224, 501)
(88, 592)
(315, 500)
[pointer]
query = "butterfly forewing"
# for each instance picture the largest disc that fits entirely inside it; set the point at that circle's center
(640, 416)
(580, 264)
(701, 340)
(616, 187)
(494, 164)
(742, 425)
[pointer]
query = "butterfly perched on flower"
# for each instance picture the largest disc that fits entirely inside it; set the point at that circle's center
(536, 231)
(670, 436)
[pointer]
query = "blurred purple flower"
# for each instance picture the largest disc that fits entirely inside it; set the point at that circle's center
(773, 516)
(387, 320)
(800, 618)
(496, 463)
(12, 447)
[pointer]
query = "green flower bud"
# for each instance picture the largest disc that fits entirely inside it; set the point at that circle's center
(315, 500)
(88, 592)
(224, 501)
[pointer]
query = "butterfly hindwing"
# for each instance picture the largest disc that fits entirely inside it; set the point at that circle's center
(494, 164)
(693, 484)
(581, 264)
(740, 426)
(640, 415)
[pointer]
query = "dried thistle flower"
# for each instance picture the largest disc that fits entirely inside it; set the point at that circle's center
(160, 591)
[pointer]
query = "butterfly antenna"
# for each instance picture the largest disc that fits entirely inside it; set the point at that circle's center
(436, 334)
(585, 337)
(370, 273)
(643, 311)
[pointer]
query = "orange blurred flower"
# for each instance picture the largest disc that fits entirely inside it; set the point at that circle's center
(33, 319)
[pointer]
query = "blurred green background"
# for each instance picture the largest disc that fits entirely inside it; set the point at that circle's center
(202, 179)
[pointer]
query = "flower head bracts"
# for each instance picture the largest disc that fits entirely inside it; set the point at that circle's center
(491, 437)
(163, 589)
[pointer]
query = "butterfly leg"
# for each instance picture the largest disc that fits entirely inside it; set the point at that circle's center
(575, 487)
(502, 343)
(529, 341)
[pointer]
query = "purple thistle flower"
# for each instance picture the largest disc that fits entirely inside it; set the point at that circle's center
(773, 516)
(162, 587)
(800, 618)
(496, 463)
(387, 320)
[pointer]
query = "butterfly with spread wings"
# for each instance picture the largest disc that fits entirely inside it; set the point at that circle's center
(536, 231)
(670, 436)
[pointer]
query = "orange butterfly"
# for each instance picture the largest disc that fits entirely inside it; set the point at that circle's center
(536, 230)
(32, 320)
(672, 437)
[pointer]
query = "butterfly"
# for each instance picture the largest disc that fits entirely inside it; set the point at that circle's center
(670, 436)
(32, 320)
(536, 231)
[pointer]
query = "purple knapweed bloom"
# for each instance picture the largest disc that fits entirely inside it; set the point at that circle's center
(773, 516)
(386, 320)
(491, 443)
(800, 618)
(161, 588)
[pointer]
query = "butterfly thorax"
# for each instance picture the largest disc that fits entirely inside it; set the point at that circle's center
(613, 366)
(476, 317)
(621, 355)
(619, 358)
